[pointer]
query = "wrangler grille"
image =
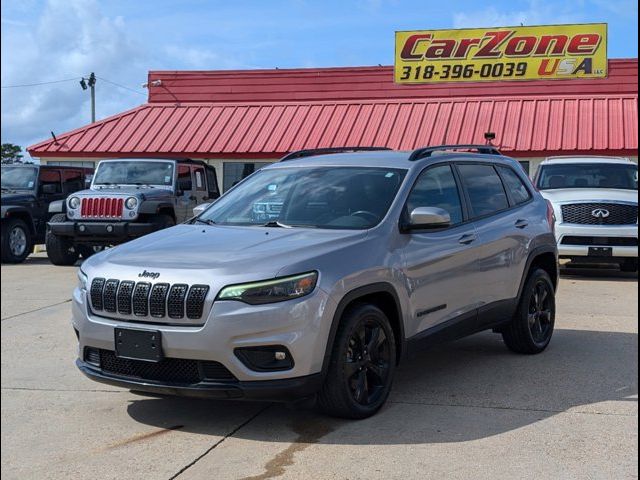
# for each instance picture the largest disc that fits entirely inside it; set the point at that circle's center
(583, 213)
(101, 207)
(171, 370)
(143, 299)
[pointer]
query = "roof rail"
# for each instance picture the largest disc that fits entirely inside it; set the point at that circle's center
(325, 151)
(426, 152)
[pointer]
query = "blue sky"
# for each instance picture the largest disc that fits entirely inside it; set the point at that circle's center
(49, 40)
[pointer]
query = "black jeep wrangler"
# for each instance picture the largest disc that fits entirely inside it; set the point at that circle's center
(27, 191)
(128, 198)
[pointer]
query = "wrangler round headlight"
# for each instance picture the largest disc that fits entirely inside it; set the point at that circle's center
(74, 202)
(271, 291)
(131, 203)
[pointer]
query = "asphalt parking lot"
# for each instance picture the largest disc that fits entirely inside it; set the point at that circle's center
(465, 410)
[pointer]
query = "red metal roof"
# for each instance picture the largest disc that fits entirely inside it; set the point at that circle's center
(544, 118)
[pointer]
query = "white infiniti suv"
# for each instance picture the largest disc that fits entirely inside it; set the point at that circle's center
(595, 200)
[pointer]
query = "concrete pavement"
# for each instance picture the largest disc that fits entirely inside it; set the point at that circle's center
(465, 410)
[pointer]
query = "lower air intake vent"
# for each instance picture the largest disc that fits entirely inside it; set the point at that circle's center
(169, 370)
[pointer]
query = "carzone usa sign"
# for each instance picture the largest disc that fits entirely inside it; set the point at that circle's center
(505, 53)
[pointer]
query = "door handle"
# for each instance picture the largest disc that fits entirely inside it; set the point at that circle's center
(467, 238)
(522, 223)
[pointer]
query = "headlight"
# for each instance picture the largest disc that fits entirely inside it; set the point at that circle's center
(74, 202)
(271, 291)
(82, 280)
(131, 203)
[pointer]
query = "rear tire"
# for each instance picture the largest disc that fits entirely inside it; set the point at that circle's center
(362, 364)
(531, 328)
(16, 241)
(629, 266)
(60, 250)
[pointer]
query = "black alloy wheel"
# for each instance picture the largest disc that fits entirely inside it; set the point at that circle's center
(362, 364)
(367, 362)
(531, 327)
(540, 312)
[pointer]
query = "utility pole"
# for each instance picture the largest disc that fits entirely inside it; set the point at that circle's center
(91, 83)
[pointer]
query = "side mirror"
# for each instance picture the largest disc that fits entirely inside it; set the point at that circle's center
(49, 189)
(428, 217)
(200, 208)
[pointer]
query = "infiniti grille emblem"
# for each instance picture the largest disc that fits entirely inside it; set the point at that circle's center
(600, 213)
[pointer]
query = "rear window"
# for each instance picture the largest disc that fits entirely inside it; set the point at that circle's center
(485, 189)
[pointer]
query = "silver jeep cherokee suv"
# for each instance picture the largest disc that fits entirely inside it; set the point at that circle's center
(315, 276)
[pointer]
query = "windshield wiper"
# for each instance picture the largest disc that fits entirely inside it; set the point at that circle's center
(206, 222)
(139, 184)
(275, 223)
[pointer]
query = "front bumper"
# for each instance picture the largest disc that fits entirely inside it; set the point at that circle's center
(282, 390)
(299, 325)
(96, 232)
(606, 232)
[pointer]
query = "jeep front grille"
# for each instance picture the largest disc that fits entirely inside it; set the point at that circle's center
(600, 213)
(101, 207)
(143, 299)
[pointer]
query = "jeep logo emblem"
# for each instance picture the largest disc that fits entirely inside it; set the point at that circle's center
(146, 274)
(600, 213)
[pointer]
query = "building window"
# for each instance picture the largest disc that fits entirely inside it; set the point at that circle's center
(233, 172)
(526, 166)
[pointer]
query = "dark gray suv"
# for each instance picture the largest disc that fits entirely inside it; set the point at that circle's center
(315, 276)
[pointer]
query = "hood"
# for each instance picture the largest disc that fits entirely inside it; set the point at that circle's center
(564, 195)
(190, 253)
(18, 198)
(143, 193)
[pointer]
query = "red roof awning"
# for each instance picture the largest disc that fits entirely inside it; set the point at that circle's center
(529, 118)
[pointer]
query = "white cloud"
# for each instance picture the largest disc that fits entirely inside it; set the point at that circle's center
(70, 39)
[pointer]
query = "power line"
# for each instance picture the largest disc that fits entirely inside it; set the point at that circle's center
(121, 86)
(41, 83)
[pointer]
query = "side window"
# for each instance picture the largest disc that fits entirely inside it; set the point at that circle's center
(184, 178)
(485, 189)
(519, 192)
(198, 178)
(50, 177)
(436, 187)
(73, 180)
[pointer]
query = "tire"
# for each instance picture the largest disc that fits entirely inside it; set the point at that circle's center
(86, 251)
(17, 242)
(358, 382)
(531, 328)
(60, 250)
(163, 221)
(629, 266)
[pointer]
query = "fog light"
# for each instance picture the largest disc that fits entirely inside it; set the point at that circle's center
(70, 213)
(109, 228)
(268, 358)
(92, 356)
(82, 228)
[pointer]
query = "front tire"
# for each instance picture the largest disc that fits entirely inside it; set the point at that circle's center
(362, 364)
(16, 241)
(531, 328)
(60, 250)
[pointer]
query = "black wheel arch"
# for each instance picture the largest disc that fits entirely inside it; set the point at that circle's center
(384, 296)
(10, 211)
(151, 207)
(546, 258)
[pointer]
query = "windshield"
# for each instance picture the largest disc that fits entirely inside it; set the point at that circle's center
(134, 173)
(324, 197)
(588, 175)
(19, 178)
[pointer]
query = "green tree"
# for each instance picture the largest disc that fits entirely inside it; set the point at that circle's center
(11, 153)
